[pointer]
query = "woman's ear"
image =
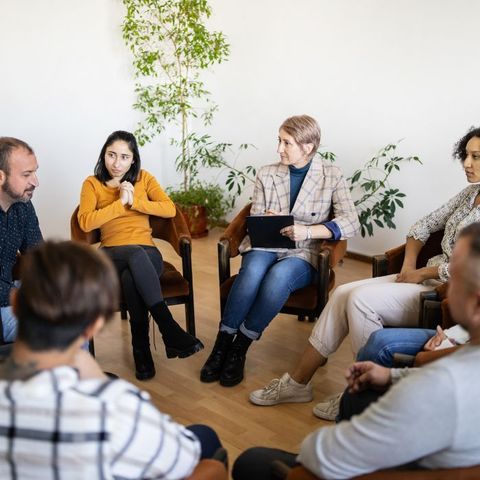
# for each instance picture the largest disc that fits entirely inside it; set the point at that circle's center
(308, 149)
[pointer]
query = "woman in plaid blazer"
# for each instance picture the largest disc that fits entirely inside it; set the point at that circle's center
(300, 184)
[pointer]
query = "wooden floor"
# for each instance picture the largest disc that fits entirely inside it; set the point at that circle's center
(177, 390)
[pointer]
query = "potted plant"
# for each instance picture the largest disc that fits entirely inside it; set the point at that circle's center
(375, 198)
(171, 47)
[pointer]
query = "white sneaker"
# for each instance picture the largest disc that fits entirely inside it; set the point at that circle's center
(328, 410)
(282, 390)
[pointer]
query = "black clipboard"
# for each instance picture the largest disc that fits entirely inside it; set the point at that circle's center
(264, 231)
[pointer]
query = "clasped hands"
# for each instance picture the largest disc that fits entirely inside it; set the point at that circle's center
(126, 193)
(409, 275)
(363, 375)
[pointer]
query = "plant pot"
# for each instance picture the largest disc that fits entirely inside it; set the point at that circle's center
(196, 218)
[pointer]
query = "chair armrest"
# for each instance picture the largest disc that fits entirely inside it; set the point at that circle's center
(423, 358)
(395, 258)
(337, 249)
(379, 265)
(467, 473)
(442, 291)
(223, 250)
(77, 234)
(173, 230)
(236, 230)
(323, 277)
(402, 360)
(209, 469)
(430, 313)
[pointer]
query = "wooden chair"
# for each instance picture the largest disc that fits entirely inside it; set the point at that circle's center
(177, 287)
(305, 302)
(391, 262)
(283, 472)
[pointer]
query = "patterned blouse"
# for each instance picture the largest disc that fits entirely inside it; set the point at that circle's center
(453, 216)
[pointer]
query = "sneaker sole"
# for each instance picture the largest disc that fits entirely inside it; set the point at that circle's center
(267, 403)
(323, 416)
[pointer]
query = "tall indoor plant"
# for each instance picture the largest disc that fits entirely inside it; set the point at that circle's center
(171, 47)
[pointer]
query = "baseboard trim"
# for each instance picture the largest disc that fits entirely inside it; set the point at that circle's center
(358, 256)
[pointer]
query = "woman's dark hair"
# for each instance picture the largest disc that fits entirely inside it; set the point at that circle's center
(460, 148)
(65, 287)
(131, 176)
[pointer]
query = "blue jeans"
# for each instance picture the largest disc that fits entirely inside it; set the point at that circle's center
(260, 290)
(9, 324)
(383, 343)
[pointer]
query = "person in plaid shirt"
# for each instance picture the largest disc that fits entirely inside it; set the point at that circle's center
(60, 416)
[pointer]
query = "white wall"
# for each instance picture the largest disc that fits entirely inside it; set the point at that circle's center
(370, 71)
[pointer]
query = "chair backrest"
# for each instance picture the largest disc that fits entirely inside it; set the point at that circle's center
(432, 247)
(394, 256)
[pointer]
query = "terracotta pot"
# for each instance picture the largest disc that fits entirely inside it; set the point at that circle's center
(196, 218)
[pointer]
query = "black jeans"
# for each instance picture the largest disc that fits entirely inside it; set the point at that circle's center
(139, 269)
(355, 403)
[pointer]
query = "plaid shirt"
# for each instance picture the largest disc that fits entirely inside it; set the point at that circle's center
(323, 188)
(56, 426)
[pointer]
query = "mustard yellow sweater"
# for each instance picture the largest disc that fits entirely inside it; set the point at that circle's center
(100, 207)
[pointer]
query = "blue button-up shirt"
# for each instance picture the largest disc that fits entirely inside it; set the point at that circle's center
(19, 231)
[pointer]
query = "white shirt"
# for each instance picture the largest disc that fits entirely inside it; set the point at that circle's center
(56, 426)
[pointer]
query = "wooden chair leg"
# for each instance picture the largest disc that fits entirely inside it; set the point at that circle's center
(190, 318)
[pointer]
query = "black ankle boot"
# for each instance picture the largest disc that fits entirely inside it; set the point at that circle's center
(232, 371)
(210, 372)
(144, 366)
(178, 343)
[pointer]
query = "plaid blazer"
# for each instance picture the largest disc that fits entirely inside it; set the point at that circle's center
(324, 187)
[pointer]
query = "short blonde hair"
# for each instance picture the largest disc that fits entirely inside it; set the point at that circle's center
(304, 129)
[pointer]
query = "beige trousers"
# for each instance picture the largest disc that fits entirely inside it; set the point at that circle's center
(361, 307)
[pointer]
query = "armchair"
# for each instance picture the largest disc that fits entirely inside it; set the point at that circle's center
(305, 302)
(283, 472)
(177, 287)
(391, 262)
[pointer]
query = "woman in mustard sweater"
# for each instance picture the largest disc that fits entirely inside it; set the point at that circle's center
(118, 200)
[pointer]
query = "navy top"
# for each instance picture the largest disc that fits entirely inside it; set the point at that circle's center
(297, 176)
(19, 231)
